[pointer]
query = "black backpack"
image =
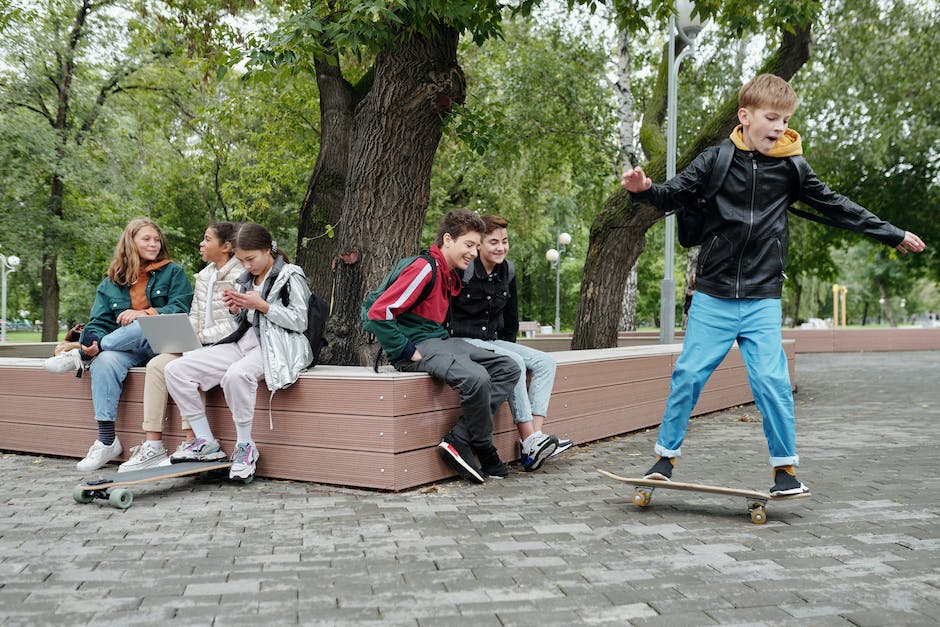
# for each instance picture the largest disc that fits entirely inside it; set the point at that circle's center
(390, 278)
(691, 220)
(318, 312)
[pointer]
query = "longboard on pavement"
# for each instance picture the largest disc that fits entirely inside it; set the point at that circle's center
(756, 501)
(114, 487)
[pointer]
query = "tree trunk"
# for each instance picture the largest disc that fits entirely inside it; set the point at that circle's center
(618, 234)
(691, 261)
(322, 206)
(628, 159)
(394, 135)
(797, 299)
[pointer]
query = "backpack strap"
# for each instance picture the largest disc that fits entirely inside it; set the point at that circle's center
(803, 171)
(429, 286)
(425, 292)
(716, 178)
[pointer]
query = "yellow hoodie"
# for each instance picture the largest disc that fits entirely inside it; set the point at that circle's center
(788, 145)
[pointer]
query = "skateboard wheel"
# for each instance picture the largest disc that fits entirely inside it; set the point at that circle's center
(248, 479)
(121, 498)
(758, 516)
(642, 499)
(82, 496)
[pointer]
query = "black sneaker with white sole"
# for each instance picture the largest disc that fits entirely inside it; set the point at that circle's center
(786, 484)
(457, 454)
(661, 470)
(490, 463)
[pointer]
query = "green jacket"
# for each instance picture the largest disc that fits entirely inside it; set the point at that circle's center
(168, 291)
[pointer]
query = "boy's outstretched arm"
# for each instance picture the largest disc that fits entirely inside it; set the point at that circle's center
(912, 243)
(635, 180)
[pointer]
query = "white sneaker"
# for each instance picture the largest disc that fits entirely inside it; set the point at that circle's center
(144, 456)
(244, 460)
(68, 361)
(99, 455)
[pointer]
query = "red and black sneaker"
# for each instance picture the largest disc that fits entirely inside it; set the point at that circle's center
(457, 454)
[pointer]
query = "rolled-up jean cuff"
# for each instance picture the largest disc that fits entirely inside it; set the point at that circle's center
(665, 452)
(793, 460)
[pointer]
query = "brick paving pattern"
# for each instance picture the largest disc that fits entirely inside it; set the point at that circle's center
(560, 546)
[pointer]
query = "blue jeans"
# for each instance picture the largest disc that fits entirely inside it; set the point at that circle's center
(121, 350)
(524, 403)
(714, 325)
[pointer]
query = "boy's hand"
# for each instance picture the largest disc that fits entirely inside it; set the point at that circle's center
(635, 180)
(91, 350)
(911, 243)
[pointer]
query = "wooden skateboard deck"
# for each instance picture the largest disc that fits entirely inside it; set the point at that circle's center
(113, 486)
(756, 500)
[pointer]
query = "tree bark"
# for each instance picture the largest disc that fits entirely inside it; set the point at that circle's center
(618, 234)
(628, 159)
(394, 135)
(322, 206)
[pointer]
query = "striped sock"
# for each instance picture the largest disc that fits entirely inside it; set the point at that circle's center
(106, 432)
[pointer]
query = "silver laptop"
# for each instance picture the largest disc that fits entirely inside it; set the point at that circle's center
(169, 333)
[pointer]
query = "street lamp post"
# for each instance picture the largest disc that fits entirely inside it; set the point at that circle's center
(553, 255)
(7, 265)
(687, 28)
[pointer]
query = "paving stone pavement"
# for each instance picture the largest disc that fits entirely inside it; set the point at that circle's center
(559, 546)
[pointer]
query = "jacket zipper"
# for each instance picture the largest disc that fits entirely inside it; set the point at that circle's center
(750, 227)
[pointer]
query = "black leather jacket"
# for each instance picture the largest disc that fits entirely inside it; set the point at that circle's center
(744, 250)
(487, 307)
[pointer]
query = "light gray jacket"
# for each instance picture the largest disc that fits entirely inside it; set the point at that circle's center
(284, 348)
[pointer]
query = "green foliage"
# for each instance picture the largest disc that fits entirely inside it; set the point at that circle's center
(536, 144)
(176, 140)
(871, 129)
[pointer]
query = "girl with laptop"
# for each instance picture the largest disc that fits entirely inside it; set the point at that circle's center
(210, 320)
(142, 281)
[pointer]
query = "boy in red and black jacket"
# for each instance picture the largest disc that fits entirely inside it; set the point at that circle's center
(412, 334)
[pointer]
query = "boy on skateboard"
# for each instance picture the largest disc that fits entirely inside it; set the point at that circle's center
(740, 270)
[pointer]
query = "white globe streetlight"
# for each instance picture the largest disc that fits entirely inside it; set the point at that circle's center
(553, 255)
(7, 265)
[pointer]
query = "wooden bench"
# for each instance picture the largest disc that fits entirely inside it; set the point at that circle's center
(528, 328)
(353, 427)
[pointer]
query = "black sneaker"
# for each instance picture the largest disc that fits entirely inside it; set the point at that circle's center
(661, 470)
(490, 463)
(457, 454)
(786, 484)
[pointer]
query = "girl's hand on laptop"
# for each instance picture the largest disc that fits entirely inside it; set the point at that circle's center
(129, 315)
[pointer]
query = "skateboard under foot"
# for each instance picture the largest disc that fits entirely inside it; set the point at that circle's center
(112, 487)
(756, 501)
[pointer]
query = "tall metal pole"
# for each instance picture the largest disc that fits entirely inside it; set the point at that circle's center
(3, 299)
(667, 307)
(667, 300)
(558, 293)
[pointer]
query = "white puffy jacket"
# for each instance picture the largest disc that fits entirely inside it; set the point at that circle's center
(224, 322)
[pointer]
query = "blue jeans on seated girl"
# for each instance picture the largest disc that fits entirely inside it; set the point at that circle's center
(121, 350)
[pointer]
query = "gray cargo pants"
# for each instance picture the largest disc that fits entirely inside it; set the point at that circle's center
(483, 378)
